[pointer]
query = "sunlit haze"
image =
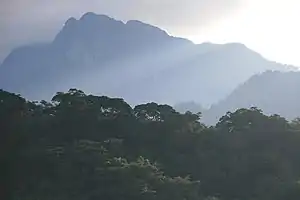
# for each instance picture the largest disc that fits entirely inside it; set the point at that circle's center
(269, 27)
(266, 26)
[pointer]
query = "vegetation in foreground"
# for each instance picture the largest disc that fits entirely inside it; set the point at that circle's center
(87, 147)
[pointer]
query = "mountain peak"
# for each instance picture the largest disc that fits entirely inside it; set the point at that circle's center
(90, 16)
(93, 16)
(96, 19)
(70, 21)
(89, 27)
(137, 22)
(154, 62)
(145, 27)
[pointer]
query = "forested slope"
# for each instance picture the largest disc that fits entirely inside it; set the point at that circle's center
(82, 146)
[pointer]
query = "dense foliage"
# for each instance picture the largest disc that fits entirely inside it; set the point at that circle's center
(87, 147)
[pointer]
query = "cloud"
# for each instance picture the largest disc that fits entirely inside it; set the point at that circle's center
(23, 21)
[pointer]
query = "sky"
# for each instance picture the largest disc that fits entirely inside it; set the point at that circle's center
(266, 26)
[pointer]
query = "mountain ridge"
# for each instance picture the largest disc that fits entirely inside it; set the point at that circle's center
(273, 92)
(136, 60)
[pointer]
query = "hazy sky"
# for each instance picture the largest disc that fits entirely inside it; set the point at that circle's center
(270, 27)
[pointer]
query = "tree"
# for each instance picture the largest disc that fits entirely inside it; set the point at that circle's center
(87, 147)
(296, 123)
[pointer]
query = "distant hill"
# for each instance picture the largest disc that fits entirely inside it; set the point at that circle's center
(273, 92)
(134, 60)
(188, 106)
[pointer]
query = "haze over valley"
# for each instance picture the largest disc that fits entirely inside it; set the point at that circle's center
(149, 100)
(140, 63)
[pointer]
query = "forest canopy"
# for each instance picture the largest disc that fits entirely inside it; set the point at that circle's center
(88, 147)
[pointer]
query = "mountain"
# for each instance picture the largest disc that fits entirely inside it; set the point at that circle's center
(134, 60)
(188, 106)
(272, 92)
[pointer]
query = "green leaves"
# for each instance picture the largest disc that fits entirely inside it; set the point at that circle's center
(88, 147)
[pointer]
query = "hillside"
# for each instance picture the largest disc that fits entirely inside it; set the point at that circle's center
(134, 60)
(273, 92)
(188, 106)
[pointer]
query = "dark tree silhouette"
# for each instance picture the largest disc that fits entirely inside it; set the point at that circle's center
(87, 147)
